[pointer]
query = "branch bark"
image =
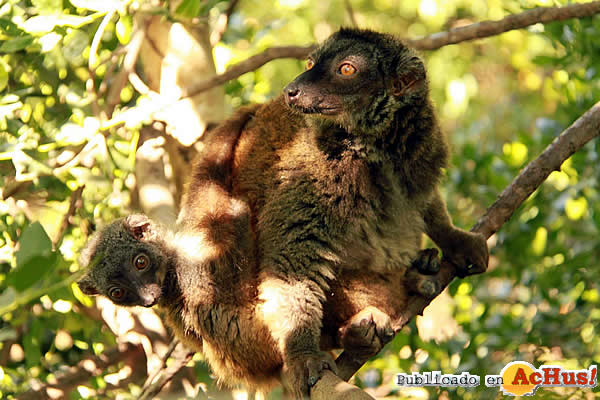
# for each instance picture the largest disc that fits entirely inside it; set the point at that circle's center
(248, 65)
(331, 387)
(469, 32)
(484, 29)
(165, 375)
(583, 130)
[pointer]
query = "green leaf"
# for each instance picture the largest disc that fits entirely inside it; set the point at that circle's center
(16, 44)
(189, 8)
(3, 76)
(32, 343)
(8, 298)
(10, 28)
(7, 333)
(74, 45)
(34, 258)
(34, 241)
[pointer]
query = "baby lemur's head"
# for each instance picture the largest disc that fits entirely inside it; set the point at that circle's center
(126, 262)
(359, 79)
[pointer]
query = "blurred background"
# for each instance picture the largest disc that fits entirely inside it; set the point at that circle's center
(98, 119)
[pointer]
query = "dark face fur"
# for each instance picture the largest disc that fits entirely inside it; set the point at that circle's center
(358, 79)
(124, 263)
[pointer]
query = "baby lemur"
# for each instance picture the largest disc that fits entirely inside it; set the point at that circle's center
(300, 221)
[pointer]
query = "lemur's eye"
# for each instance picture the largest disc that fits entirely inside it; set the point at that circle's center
(347, 69)
(141, 261)
(309, 64)
(116, 293)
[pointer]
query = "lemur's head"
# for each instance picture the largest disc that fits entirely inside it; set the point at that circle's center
(359, 77)
(126, 262)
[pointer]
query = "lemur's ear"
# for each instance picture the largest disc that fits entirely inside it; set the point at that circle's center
(139, 226)
(87, 286)
(410, 77)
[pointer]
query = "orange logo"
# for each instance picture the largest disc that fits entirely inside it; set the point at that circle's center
(515, 378)
(519, 378)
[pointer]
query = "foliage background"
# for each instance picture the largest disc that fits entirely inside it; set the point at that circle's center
(501, 100)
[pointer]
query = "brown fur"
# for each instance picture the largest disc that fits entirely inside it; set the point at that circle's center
(302, 218)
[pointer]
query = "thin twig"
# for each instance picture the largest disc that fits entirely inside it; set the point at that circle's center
(583, 130)
(138, 84)
(435, 41)
(89, 147)
(222, 22)
(166, 375)
(163, 365)
(74, 204)
(350, 12)
(129, 61)
(98, 36)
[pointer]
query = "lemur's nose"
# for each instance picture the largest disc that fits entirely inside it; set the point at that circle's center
(292, 93)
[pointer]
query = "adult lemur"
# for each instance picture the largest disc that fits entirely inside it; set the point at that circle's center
(300, 221)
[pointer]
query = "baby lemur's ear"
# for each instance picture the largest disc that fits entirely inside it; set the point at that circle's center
(87, 286)
(139, 226)
(409, 78)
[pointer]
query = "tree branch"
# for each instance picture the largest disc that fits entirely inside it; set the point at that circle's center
(484, 29)
(583, 130)
(248, 65)
(331, 387)
(469, 32)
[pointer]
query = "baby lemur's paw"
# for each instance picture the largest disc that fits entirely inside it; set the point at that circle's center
(427, 262)
(365, 334)
(469, 254)
(421, 278)
(303, 371)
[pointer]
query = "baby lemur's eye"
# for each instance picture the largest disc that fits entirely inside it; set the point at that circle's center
(347, 69)
(309, 64)
(141, 261)
(116, 293)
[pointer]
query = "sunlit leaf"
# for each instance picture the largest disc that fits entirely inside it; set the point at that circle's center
(73, 134)
(98, 5)
(123, 29)
(45, 23)
(3, 76)
(576, 208)
(539, 242)
(47, 6)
